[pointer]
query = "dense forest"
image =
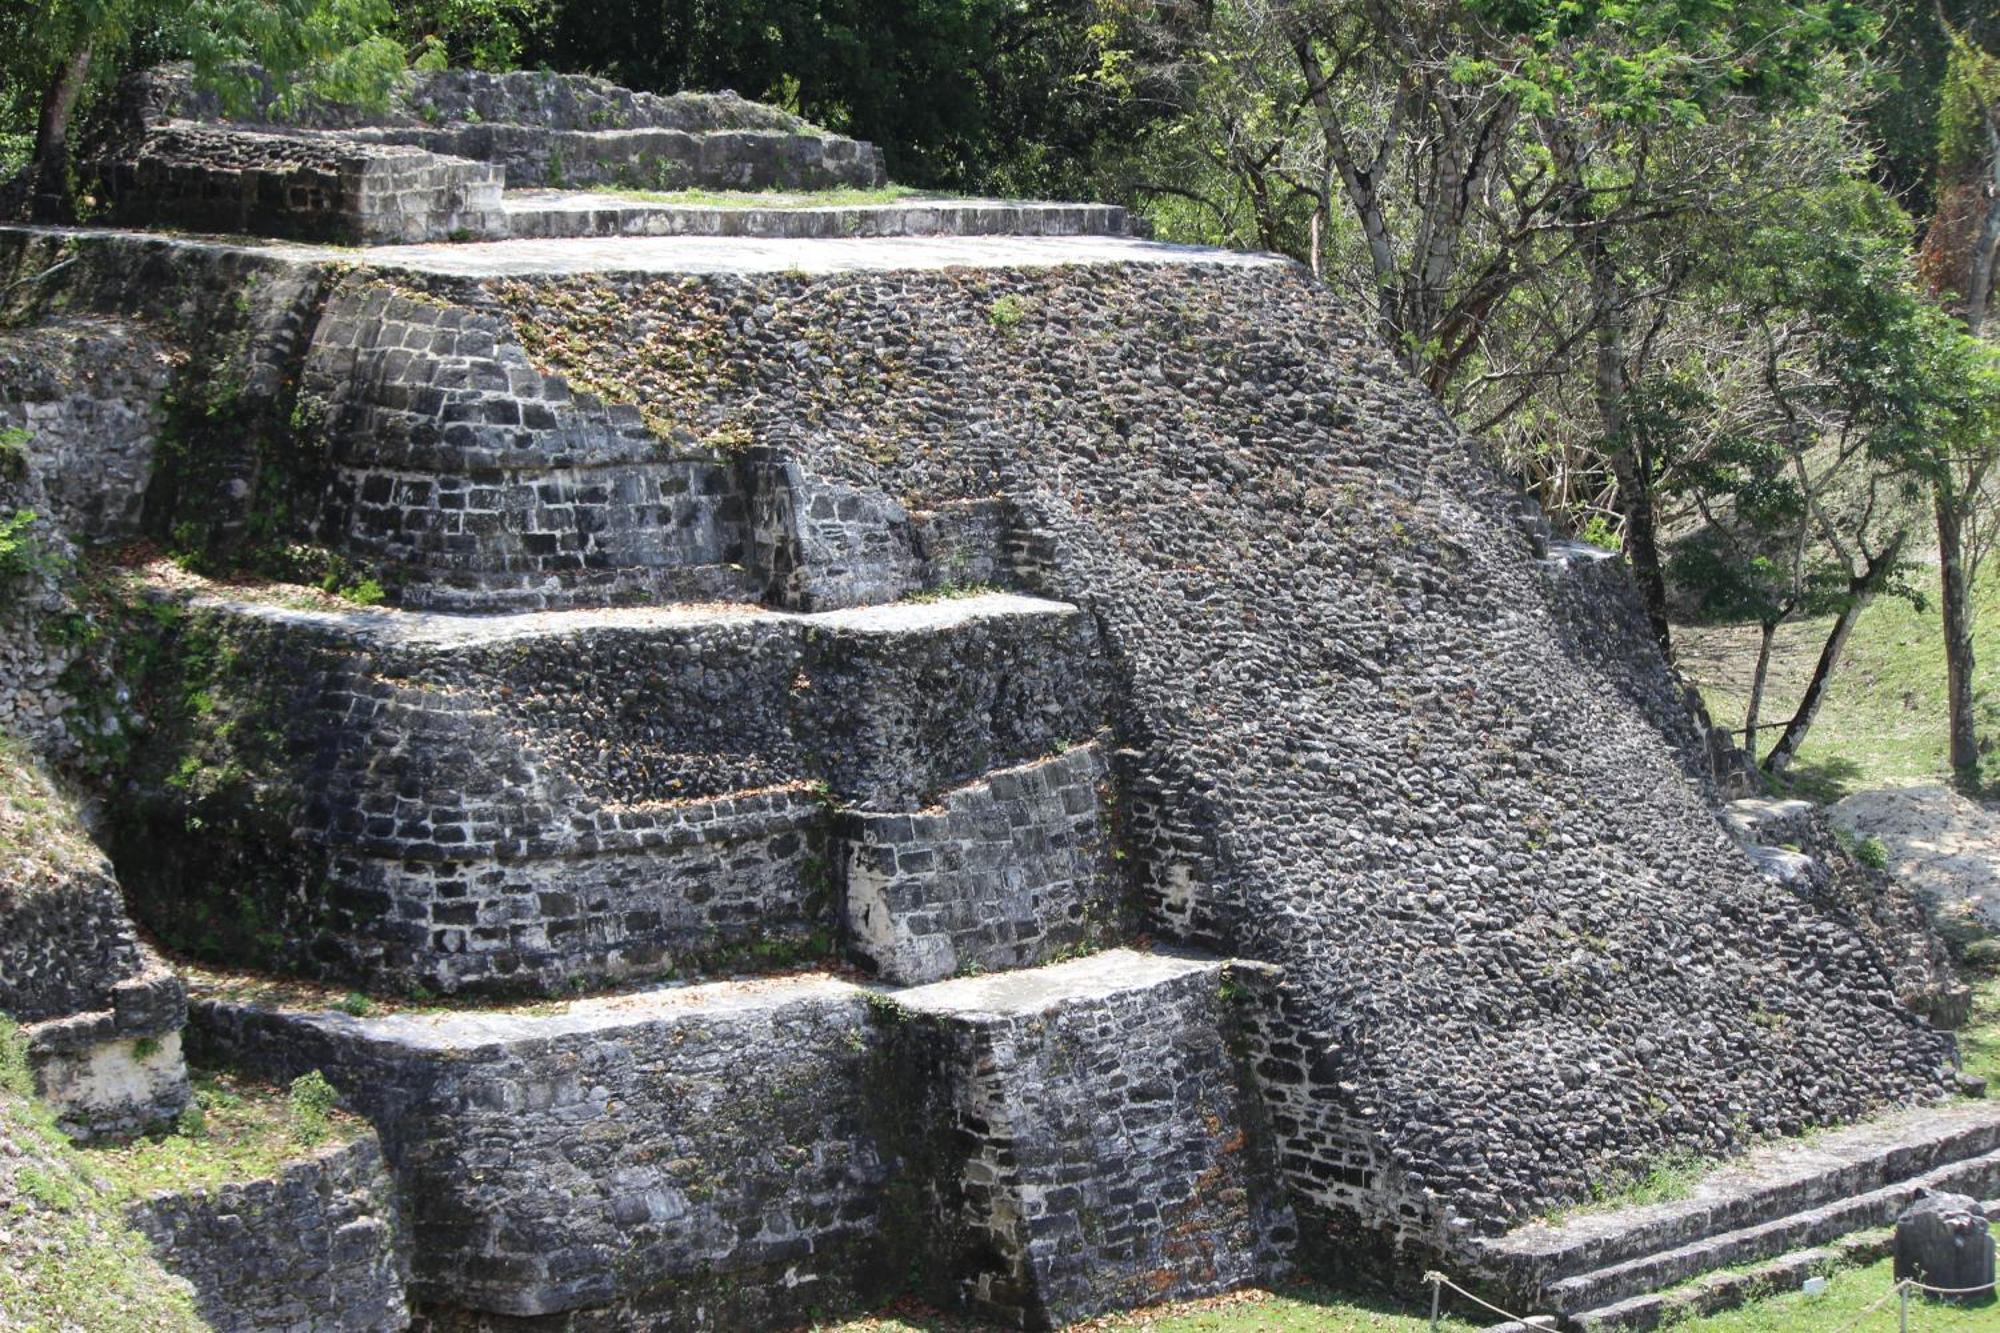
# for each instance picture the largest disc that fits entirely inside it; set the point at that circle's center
(1714, 279)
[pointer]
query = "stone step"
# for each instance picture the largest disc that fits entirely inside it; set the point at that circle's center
(1767, 1184)
(1049, 1142)
(544, 214)
(1725, 1290)
(1813, 1227)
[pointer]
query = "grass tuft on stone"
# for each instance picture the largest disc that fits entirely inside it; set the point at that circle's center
(236, 1130)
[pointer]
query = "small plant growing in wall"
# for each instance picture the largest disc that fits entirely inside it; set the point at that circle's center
(13, 454)
(310, 1108)
(1006, 313)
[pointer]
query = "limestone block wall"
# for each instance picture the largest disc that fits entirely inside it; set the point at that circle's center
(515, 802)
(85, 391)
(319, 1248)
(1084, 1140)
(116, 1069)
(472, 481)
(653, 159)
(1004, 873)
(690, 1158)
(1368, 741)
(660, 889)
(301, 188)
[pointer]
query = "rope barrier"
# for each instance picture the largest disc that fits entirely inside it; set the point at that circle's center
(1439, 1280)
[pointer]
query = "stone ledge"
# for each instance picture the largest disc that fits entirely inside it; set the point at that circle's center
(1003, 997)
(446, 630)
(733, 1154)
(549, 214)
(1814, 1226)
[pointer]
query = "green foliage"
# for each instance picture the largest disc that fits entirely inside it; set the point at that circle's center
(472, 34)
(312, 1102)
(335, 49)
(13, 454)
(1008, 96)
(22, 551)
(1007, 312)
(355, 1005)
(1971, 82)
(15, 1076)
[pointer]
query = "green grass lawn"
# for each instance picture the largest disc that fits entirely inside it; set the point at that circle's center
(1883, 721)
(1848, 1298)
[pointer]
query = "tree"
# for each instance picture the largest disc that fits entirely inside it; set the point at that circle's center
(1523, 184)
(1961, 247)
(56, 54)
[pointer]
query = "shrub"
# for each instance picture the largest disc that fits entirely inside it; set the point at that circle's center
(311, 1110)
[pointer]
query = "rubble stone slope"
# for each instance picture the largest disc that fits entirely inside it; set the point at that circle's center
(1532, 955)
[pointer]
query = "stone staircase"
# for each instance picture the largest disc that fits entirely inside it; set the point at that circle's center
(1767, 1220)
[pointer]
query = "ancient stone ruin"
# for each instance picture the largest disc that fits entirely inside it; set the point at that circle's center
(946, 749)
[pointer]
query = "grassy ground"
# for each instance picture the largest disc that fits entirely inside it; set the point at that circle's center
(67, 1260)
(1857, 1300)
(1883, 720)
(237, 1130)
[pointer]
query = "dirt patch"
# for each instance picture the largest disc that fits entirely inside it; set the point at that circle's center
(1942, 844)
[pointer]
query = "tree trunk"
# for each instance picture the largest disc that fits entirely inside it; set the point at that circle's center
(1861, 590)
(1787, 748)
(1963, 751)
(1631, 465)
(1767, 632)
(1986, 247)
(50, 178)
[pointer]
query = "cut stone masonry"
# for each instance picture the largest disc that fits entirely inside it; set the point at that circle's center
(1346, 721)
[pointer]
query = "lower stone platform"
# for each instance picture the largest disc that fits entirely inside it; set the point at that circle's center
(742, 1153)
(529, 803)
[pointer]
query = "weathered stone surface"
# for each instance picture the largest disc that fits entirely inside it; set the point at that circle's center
(100, 1014)
(1004, 873)
(310, 189)
(1365, 743)
(1944, 1242)
(317, 1249)
(510, 803)
(1359, 728)
(432, 164)
(670, 1159)
(735, 1154)
(1083, 1140)
(1776, 1196)
(546, 214)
